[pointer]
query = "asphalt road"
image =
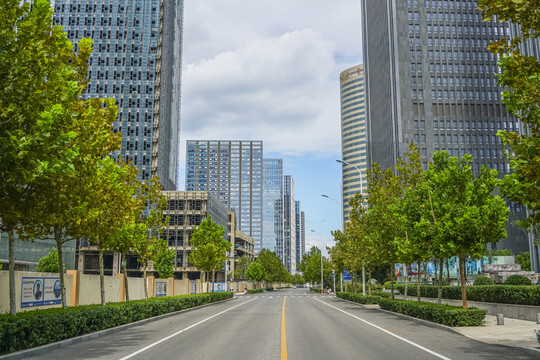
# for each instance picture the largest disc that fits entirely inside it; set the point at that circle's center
(284, 324)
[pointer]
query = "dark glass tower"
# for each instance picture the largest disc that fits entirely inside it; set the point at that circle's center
(430, 80)
(272, 205)
(231, 170)
(137, 60)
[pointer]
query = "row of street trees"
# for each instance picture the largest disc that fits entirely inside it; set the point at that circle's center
(57, 176)
(413, 215)
(417, 216)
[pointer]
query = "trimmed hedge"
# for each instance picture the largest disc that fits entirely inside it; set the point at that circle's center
(359, 298)
(501, 294)
(518, 280)
(317, 290)
(34, 328)
(254, 291)
(441, 314)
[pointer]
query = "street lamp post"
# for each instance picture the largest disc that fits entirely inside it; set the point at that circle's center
(361, 192)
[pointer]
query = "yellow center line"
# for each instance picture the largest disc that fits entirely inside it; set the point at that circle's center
(283, 334)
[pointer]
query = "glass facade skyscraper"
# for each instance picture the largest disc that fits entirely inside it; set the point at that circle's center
(272, 205)
(231, 170)
(300, 233)
(353, 135)
(430, 80)
(287, 250)
(137, 61)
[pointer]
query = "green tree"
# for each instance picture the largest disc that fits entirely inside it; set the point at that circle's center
(49, 263)
(524, 260)
(241, 267)
(298, 279)
(256, 272)
(209, 247)
(274, 267)
(163, 262)
(110, 198)
(140, 235)
(40, 79)
(520, 76)
(468, 215)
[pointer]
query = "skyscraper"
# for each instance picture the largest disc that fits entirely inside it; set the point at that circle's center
(231, 170)
(430, 80)
(353, 134)
(287, 250)
(300, 233)
(137, 60)
(272, 204)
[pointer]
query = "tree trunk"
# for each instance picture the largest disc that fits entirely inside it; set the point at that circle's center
(439, 291)
(463, 283)
(12, 300)
(418, 289)
(392, 275)
(425, 272)
(406, 282)
(435, 270)
(369, 283)
(145, 282)
(101, 277)
(448, 271)
(58, 239)
(213, 279)
(126, 287)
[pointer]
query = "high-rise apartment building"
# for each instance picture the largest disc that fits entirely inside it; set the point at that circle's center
(353, 135)
(300, 233)
(287, 250)
(430, 80)
(137, 60)
(272, 204)
(231, 170)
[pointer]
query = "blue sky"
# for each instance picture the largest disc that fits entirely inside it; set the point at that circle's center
(269, 70)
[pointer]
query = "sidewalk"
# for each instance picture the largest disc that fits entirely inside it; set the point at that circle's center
(514, 332)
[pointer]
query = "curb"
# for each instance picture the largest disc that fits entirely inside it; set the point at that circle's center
(440, 326)
(39, 350)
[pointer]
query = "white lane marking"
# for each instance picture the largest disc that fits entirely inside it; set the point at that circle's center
(389, 333)
(179, 332)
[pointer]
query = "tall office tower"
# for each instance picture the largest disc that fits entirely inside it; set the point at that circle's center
(353, 135)
(231, 170)
(430, 80)
(300, 233)
(272, 231)
(137, 60)
(287, 251)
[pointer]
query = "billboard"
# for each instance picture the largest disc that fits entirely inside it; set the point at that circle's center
(40, 291)
(161, 289)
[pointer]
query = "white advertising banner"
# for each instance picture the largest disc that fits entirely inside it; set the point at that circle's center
(40, 291)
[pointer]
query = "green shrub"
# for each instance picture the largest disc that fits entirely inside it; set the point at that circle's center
(441, 314)
(501, 294)
(518, 280)
(483, 280)
(314, 289)
(34, 328)
(359, 298)
(254, 291)
(388, 285)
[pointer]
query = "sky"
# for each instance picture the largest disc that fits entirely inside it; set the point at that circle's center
(269, 70)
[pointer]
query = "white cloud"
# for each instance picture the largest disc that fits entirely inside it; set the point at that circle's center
(268, 70)
(284, 91)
